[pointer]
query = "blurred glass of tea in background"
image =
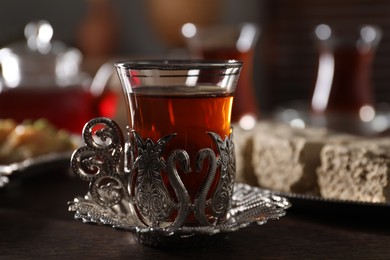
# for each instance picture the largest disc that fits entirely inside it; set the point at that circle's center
(343, 93)
(221, 42)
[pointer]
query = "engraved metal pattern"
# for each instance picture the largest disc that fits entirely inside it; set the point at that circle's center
(223, 193)
(151, 196)
(127, 188)
(153, 201)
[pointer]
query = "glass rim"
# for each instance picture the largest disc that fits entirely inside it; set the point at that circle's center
(178, 64)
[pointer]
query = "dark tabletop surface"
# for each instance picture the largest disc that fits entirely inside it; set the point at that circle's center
(35, 223)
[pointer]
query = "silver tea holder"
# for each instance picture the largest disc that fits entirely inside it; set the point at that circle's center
(171, 180)
(127, 190)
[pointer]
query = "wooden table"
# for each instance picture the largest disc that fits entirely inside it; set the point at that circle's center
(35, 223)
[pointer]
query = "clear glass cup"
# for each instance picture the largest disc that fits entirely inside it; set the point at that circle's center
(181, 153)
(343, 95)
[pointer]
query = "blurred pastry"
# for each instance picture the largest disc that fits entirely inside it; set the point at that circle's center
(30, 139)
(285, 158)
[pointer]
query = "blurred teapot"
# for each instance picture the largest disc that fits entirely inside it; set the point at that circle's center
(41, 78)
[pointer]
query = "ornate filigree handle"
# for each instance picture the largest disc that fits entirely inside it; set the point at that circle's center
(100, 161)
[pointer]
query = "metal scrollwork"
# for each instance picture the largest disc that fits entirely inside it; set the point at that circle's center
(100, 160)
(221, 198)
(200, 201)
(136, 173)
(181, 193)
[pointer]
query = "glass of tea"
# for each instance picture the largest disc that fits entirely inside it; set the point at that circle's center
(343, 95)
(180, 150)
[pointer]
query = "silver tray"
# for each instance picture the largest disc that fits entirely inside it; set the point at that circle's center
(31, 166)
(250, 206)
(318, 207)
(318, 199)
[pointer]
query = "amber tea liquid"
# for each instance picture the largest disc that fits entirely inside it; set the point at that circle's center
(156, 112)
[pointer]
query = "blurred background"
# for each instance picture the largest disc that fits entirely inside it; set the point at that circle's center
(285, 59)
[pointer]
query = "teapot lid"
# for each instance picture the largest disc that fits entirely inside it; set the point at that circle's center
(39, 61)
